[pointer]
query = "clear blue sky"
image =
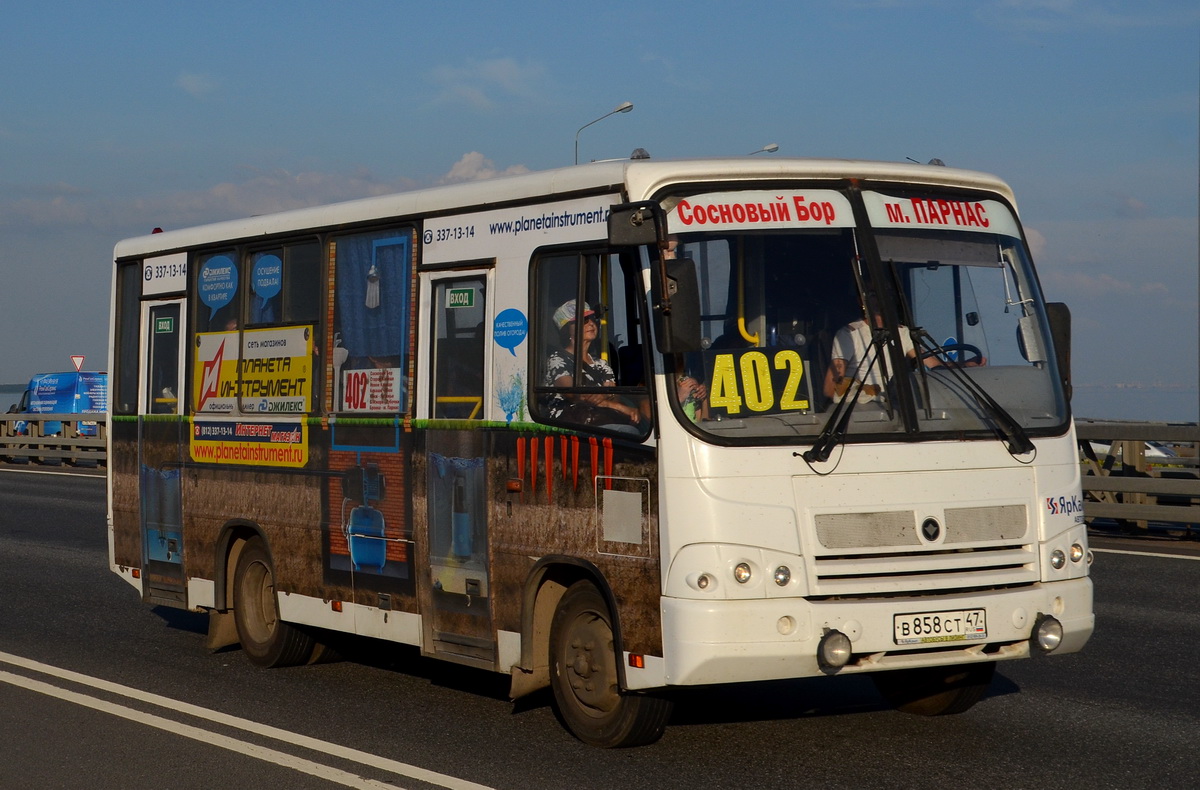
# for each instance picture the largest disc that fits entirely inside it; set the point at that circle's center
(119, 117)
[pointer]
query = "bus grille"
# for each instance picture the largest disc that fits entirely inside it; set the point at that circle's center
(883, 553)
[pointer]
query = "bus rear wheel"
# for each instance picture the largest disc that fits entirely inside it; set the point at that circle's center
(266, 640)
(935, 691)
(585, 680)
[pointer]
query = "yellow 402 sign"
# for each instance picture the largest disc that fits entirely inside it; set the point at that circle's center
(760, 381)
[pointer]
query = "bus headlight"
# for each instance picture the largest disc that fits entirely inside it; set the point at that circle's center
(783, 575)
(741, 572)
(1058, 559)
(1076, 552)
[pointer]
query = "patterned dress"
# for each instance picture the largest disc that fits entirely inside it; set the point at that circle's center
(596, 374)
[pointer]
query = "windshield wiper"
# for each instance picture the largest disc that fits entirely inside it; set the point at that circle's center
(1015, 439)
(834, 432)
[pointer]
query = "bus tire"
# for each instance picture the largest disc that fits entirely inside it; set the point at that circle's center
(585, 680)
(936, 691)
(266, 640)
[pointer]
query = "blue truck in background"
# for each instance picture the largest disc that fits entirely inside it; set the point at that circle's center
(85, 392)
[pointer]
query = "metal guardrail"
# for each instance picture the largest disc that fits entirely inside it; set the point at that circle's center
(1122, 483)
(35, 444)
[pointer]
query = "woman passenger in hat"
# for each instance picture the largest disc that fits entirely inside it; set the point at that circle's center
(593, 408)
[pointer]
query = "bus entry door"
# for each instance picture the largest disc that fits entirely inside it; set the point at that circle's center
(456, 585)
(160, 439)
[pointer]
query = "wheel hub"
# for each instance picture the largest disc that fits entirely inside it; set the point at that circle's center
(591, 666)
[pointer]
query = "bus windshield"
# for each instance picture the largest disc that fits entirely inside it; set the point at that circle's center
(906, 321)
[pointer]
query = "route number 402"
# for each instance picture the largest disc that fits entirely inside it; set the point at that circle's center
(758, 382)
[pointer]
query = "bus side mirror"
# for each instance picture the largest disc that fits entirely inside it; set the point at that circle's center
(674, 290)
(677, 316)
(635, 224)
(1060, 332)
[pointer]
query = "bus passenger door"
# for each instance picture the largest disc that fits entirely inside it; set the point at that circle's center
(160, 442)
(456, 592)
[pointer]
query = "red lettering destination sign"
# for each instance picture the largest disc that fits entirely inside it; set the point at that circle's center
(756, 209)
(979, 216)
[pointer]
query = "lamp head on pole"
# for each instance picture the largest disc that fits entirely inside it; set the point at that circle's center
(769, 148)
(622, 107)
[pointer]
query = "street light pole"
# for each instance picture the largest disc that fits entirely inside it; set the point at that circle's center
(623, 107)
(769, 148)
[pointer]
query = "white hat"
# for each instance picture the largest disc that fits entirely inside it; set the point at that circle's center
(565, 314)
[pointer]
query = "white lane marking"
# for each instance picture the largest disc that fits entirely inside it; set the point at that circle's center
(197, 734)
(264, 730)
(18, 470)
(1146, 554)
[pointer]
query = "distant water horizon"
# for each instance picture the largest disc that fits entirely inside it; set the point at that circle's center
(1139, 404)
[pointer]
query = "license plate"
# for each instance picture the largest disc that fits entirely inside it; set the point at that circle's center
(928, 627)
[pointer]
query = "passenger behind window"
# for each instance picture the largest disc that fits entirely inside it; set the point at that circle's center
(856, 359)
(599, 409)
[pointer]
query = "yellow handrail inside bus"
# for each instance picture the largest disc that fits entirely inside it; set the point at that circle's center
(477, 400)
(741, 322)
(602, 315)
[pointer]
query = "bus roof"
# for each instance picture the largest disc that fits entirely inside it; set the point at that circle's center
(638, 179)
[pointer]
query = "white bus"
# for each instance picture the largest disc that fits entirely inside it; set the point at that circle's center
(615, 428)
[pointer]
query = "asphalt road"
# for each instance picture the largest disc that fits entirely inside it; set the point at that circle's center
(98, 691)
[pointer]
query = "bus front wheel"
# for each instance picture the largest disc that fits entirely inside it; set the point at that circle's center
(935, 691)
(266, 640)
(585, 680)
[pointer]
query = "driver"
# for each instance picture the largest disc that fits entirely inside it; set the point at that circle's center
(852, 348)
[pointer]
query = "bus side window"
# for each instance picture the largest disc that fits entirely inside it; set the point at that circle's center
(216, 320)
(124, 377)
(285, 285)
(588, 338)
(266, 287)
(282, 312)
(371, 321)
(219, 307)
(302, 283)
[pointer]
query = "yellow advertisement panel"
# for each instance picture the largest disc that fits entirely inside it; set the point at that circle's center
(270, 371)
(228, 441)
(242, 388)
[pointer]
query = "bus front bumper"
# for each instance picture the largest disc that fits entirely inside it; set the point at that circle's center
(728, 641)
